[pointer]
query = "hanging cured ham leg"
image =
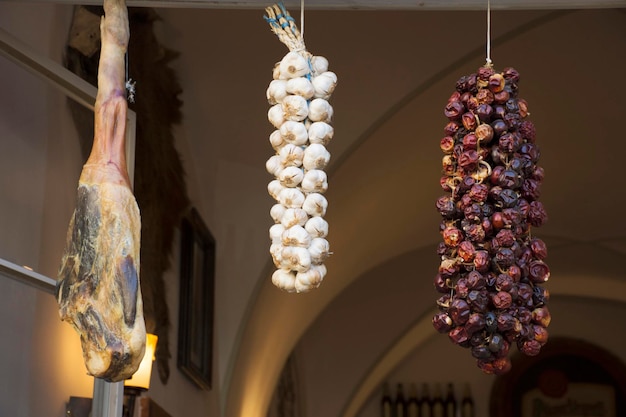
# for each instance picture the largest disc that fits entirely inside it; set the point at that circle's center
(98, 287)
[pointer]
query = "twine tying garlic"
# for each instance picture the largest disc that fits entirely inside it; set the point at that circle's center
(301, 115)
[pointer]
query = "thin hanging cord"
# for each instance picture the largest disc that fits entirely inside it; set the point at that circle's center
(126, 65)
(302, 18)
(488, 33)
(130, 84)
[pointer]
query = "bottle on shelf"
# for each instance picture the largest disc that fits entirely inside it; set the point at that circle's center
(467, 403)
(399, 405)
(412, 406)
(386, 405)
(437, 407)
(450, 402)
(425, 402)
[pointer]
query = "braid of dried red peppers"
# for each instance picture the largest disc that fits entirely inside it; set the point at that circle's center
(492, 268)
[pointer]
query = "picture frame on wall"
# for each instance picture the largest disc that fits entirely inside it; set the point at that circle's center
(196, 307)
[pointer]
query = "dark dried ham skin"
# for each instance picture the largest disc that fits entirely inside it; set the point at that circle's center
(98, 287)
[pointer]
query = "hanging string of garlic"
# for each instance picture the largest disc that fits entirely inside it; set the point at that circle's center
(301, 115)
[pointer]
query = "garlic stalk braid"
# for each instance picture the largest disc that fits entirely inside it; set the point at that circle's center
(301, 115)
(284, 26)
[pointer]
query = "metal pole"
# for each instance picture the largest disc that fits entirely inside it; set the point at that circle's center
(42, 66)
(108, 398)
(27, 276)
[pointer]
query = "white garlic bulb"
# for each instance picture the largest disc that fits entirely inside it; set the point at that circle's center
(321, 268)
(293, 65)
(295, 107)
(276, 71)
(319, 250)
(320, 110)
(331, 74)
(315, 204)
(296, 258)
(291, 155)
(277, 212)
(314, 181)
(317, 227)
(294, 132)
(324, 84)
(300, 86)
(276, 116)
(320, 132)
(296, 236)
(276, 233)
(316, 156)
(319, 65)
(276, 91)
(284, 279)
(291, 176)
(306, 281)
(274, 165)
(276, 250)
(274, 188)
(276, 140)
(291, 197)
(294, 216)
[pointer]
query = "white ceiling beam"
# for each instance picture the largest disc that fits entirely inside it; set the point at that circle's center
(415, 5)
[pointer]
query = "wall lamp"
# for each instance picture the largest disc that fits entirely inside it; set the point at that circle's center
(140, 381)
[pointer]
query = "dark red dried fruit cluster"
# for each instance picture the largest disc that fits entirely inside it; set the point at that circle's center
(492, 268)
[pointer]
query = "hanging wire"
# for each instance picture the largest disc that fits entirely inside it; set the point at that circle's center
(302, 18)
(489, 33)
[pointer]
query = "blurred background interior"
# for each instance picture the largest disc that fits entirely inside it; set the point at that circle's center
(330, 351)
